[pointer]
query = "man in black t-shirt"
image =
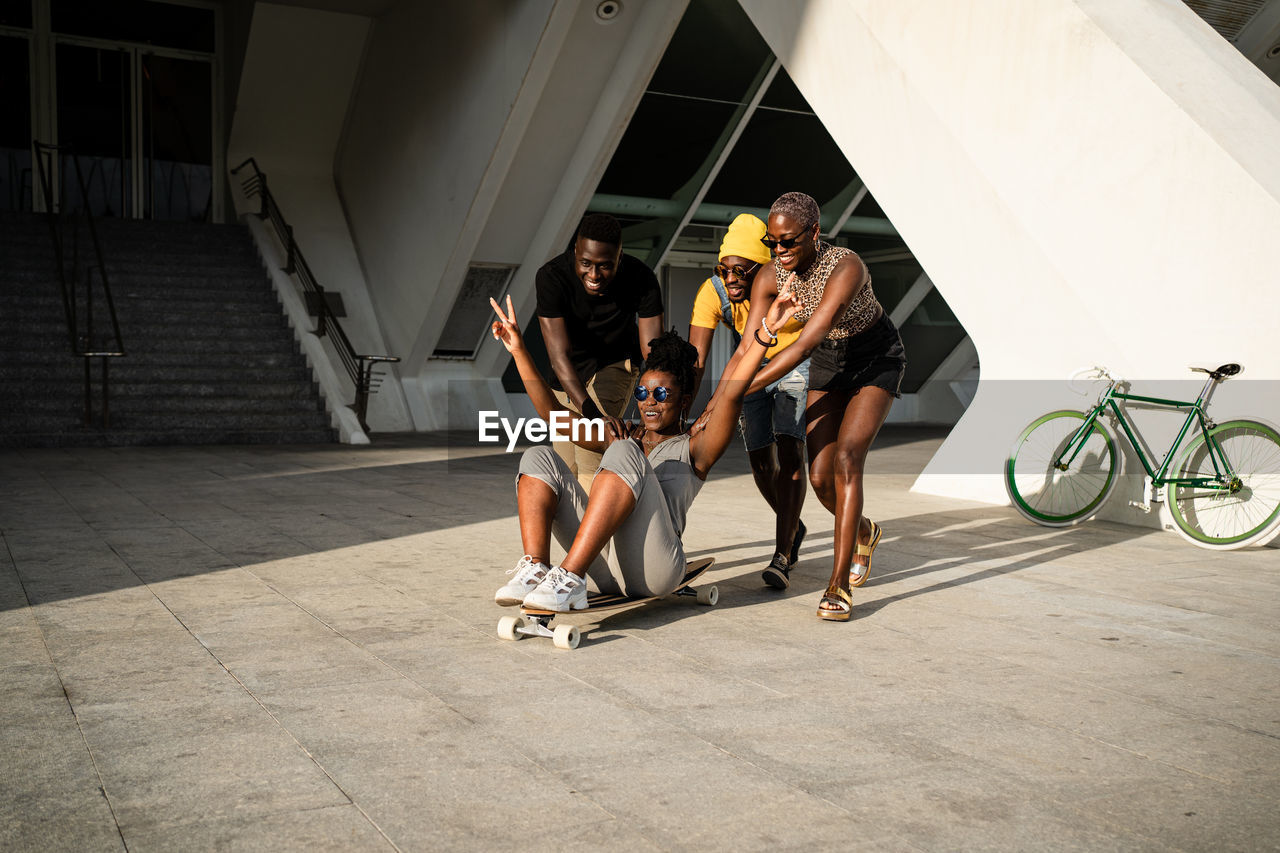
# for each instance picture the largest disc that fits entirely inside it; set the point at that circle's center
(598, 310)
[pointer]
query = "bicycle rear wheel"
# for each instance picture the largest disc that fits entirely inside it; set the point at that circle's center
(1058, 496)
(1244, 508)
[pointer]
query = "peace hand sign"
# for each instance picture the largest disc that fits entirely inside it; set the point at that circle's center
(505, 328)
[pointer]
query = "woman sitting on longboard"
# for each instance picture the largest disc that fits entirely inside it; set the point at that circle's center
(650, 474)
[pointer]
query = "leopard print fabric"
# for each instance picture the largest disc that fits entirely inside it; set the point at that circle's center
(809, 286)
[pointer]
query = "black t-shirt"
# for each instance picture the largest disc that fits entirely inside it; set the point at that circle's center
(601, 329)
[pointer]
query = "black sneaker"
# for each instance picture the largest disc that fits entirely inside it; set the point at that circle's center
(795, 543)
(778, 574)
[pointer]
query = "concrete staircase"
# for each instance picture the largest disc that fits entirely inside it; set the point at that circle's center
(210, 359)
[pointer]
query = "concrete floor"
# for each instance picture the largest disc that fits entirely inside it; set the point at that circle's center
(293, 648)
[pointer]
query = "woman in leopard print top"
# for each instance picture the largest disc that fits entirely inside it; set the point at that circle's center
(854, 376)
(808, 286)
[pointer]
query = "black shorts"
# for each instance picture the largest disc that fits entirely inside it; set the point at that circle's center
(872, 357)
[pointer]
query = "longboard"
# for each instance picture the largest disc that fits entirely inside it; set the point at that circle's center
(535, 622)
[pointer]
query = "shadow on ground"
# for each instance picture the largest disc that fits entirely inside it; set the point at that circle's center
(982, 543)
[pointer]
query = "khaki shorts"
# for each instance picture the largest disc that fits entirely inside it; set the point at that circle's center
(611, 389)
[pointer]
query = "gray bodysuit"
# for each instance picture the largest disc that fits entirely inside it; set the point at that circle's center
(645, 556)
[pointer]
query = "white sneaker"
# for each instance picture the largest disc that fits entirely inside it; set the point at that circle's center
(560, 591)
(528, 575)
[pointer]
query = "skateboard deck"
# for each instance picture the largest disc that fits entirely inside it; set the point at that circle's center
(535, 622)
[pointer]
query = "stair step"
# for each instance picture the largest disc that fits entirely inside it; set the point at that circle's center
(190, 274)
(211, 357)
(223, 363)
(138, 315)
(175, 332)
(264, 387)
(126, 420)
(37, 380)
(77, 436)
(145, 250)
(176, 283)
(258, 297)
(299, 401)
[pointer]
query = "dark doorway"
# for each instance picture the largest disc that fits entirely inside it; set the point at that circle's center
(15, 130)
(141, 125)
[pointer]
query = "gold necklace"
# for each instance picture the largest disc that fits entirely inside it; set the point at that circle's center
(661, 438)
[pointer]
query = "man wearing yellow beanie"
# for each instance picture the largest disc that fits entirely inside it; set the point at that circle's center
(772, 421)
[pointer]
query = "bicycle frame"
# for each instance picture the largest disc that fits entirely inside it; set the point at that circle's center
(1223, 478)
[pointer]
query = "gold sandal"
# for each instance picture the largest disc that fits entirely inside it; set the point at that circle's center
(843, 601)
(865, 551)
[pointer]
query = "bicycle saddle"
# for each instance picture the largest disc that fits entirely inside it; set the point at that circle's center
(1222, 372)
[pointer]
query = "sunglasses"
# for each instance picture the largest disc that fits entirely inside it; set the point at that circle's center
(788, 242)
(722, 272)
(660, 393)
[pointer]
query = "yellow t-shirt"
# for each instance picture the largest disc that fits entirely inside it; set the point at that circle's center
(706, 315)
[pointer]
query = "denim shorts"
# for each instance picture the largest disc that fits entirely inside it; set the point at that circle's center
(777, 409)
(873, 357)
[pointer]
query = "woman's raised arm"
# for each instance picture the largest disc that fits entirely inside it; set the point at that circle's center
(708, 445)
(507, 332)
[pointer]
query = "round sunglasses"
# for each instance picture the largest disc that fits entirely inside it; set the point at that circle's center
(660, 393)
(722, 271)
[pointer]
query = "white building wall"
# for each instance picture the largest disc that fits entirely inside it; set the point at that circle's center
(482, 142)
(300, 69)
(1085, 181)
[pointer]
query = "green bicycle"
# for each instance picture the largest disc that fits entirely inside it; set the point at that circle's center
(1223, 492)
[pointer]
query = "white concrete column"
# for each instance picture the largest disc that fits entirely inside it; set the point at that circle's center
(484, 148)
(1085, 181)
(300, 69)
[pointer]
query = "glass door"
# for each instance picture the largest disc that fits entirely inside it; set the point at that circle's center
(176, 138)
(15, 129)
(96, 117)
(141, 124)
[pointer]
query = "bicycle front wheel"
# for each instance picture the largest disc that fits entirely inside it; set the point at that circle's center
(1235, 507)
(1054, 481)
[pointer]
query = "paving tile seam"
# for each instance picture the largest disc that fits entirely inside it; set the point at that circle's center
(1054, 581)
(1003, 570)
(985, 570)
(660, 716)
(1152, 629)
(181, 828)
(93, 761)
(705, 668)
(1121, 829)
(358, 645)
(332, 609)
(1084, 815)
(275, 719)
(1049, 724)
(493, 738)
(1162, 707)
(287, 731)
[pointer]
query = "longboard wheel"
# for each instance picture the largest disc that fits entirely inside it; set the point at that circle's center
(507, 626)
(566, 637)
(709, 595)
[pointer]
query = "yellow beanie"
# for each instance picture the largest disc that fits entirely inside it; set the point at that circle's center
(743, 239)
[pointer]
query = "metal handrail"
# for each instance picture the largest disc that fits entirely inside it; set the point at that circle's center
(61, 224)
(359, 367)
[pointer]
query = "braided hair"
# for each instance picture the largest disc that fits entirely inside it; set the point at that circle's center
(672, 354)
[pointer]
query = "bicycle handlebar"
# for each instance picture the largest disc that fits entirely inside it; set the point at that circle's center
(1091, 373)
